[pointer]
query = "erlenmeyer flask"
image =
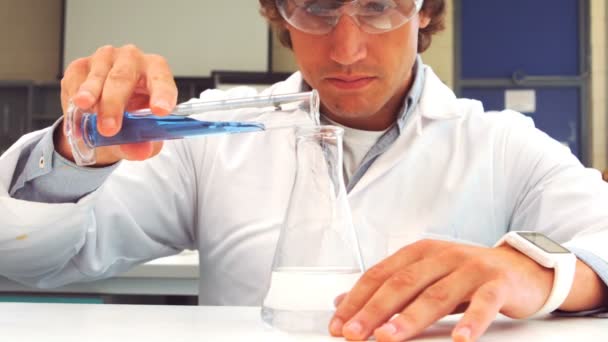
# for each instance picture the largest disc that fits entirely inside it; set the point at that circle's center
(317, 257)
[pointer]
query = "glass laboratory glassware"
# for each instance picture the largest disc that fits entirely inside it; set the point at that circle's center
(317, 256)
(193, 118)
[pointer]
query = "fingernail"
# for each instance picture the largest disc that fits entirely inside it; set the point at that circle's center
(388, 328)
(462, 334)
(354, 327)
(108, 124)
(335, 327)
(87, 95)
(162, 104)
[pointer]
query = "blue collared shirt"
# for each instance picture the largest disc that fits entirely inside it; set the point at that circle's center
(43, 175)
(389, 137)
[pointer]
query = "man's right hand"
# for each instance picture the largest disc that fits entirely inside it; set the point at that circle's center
(109, 82)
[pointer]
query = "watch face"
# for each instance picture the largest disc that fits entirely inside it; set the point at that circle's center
(543, 242)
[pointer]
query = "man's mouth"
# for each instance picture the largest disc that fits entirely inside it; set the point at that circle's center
(350, 82)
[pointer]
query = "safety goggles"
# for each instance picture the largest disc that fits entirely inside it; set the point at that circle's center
(373, 16)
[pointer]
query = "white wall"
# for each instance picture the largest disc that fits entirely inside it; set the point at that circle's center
(196, 36)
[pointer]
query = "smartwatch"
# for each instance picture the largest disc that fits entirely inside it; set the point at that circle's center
(549, 254)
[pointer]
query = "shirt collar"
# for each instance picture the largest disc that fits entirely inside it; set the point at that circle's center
(414, 95)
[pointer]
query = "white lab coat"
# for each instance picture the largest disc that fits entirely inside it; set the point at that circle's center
(455, 172)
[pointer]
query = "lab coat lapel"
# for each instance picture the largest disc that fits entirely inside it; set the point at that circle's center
(437, 102)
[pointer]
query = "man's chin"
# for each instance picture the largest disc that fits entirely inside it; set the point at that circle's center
(349, 116)
(349, 110)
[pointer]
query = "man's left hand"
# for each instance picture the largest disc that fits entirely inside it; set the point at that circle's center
(427, 280)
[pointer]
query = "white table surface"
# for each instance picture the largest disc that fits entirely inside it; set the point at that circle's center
(89, 322)
(173, 275)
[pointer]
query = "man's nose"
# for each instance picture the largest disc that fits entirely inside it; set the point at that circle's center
(348, 41)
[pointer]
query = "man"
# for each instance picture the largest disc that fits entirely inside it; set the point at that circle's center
(419, 163)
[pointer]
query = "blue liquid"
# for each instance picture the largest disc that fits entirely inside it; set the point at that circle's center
(154, 128)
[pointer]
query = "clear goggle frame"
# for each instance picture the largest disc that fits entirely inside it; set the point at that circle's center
(373, 16)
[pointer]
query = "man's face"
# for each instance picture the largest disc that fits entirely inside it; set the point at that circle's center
(361, 77)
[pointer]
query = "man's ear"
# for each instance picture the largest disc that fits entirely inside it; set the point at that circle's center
(423, 20)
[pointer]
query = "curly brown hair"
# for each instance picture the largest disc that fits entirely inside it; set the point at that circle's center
(434, 9)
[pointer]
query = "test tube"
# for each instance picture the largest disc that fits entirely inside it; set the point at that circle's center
(143, 125)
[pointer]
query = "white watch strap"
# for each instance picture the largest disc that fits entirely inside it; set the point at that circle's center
(564, 271)
(562, 283)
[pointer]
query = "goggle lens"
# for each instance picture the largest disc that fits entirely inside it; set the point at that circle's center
(373, 16)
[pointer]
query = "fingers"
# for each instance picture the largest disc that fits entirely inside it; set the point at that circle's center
(485, 305)
(140, 151)
(397, 292)
(160, 82)
(432, 304)
(90, 90)
(429, 280)
(112, 80)
(339, 299)
(118, 87)
(138, 101)
(374, 279)
(75, 74)
(368, 284)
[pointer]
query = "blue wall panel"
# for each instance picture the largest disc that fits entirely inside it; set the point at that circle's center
(538, 37)
(556, 111)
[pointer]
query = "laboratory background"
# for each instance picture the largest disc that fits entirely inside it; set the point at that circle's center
(545, 60)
